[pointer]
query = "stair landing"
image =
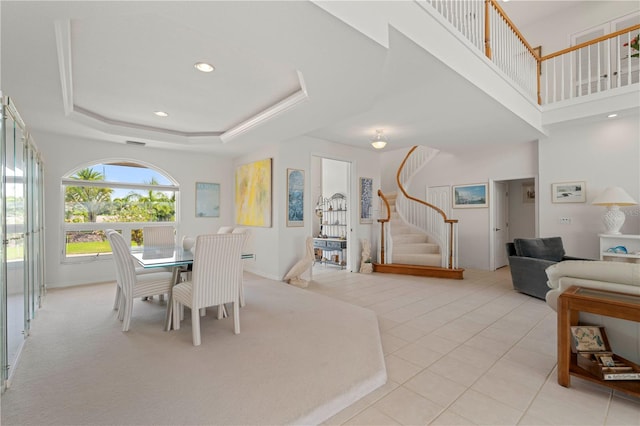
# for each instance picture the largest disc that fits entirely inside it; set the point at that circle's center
(419, 270)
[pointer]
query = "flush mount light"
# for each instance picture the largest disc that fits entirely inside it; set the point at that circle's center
(612, 115)
(161, 113)
(204, 67)
(379, 141)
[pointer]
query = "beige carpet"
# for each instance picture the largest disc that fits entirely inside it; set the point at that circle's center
(299, 359)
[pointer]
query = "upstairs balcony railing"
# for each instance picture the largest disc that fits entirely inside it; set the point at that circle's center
(598, 65)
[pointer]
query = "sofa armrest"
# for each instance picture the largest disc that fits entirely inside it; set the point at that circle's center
(574, 258)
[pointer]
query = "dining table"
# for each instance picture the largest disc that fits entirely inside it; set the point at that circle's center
(176, 258)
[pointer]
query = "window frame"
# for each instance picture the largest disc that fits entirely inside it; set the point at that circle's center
(123, 227)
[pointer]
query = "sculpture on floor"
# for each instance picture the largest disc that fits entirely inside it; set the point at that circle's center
(294, 276)
(365, 262)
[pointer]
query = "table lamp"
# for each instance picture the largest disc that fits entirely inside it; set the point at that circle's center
(613, 197)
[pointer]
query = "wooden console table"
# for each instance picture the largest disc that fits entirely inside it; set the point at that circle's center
(579, 299)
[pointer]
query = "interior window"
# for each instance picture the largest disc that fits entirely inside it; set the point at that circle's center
(123, 196)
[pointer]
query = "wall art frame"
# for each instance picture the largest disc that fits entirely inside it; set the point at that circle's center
(365, 190)
(253, 194)
(295, 197)
(569, 192)
(207, 199)
(470, 196)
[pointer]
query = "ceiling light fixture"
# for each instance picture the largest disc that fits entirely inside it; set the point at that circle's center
(612, 115)
(379, 141)
(161, 113)
(204, 67)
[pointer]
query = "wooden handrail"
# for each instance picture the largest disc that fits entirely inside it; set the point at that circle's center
(513, 28)
(386, 203)
(439, 210)
(590, 42)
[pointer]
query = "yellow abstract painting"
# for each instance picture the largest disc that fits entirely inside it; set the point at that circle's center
(253, 194)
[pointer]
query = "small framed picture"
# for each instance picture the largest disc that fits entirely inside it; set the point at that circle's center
(528, 192)
(366, 200)
(470, 196)
(569, 192)
(207, 199)
(295, 197)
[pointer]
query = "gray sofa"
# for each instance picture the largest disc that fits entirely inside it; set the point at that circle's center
(528, 260)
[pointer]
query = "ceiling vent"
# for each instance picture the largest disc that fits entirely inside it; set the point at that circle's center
(136, 143)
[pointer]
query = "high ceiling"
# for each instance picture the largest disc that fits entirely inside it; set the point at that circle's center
(99, 70)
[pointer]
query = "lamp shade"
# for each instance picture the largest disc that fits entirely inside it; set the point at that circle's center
(379, 141)
(614, 195)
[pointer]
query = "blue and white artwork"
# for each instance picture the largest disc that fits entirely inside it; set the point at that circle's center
(465, 196)
(366, 200)
(295, 197)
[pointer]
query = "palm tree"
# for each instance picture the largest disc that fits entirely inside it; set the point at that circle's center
(90, 199)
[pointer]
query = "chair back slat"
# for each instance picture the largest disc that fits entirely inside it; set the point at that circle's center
(217, 269)
(125, 268)
(159, 236)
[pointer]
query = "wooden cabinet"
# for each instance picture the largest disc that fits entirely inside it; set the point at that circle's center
(611, 247)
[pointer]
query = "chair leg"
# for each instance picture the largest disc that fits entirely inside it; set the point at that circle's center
(121, 305)
(177, 307)
(195, 326)
(161, 297)
(236, 317)
(203, 312)
(116, 303)
(128, 309)
(242, 302)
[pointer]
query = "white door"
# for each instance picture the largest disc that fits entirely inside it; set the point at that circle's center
(501, 223)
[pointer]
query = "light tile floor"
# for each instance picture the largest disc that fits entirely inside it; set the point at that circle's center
(467, 352)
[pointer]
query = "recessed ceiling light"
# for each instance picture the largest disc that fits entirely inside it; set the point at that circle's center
(612, 115)
(204, 67)
(161, 113)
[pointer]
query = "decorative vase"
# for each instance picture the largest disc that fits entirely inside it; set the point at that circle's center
(188, 242)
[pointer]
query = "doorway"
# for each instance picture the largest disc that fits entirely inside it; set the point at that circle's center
(512, 215)
(332, 207)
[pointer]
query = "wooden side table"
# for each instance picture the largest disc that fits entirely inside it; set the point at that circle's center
(579, 299)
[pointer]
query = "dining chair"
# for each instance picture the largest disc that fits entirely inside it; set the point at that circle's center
(217, 272)
(159, 236)
(132, 285)
(116, 302)
(245, 249)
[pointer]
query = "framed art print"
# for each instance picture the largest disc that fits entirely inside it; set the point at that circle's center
(470, 196)
(366, 199)
(253, 194)
(295, 197)
(569, 192)
(207, 199)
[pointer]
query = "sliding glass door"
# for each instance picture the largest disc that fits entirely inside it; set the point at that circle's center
(22, 272)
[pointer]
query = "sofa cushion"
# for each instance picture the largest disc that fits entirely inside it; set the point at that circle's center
(540, 248)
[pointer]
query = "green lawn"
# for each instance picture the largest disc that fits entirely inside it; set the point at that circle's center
(89, 247)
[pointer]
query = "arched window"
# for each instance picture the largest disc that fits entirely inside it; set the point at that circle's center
(116, 194)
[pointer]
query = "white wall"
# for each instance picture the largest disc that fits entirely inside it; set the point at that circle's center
(554, 32)
(522, 215)
(64, 154)
(601, 153)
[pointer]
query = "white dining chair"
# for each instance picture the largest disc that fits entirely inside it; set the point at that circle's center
(132, 285)
(245, 249)
(159, 236)
(217, 272)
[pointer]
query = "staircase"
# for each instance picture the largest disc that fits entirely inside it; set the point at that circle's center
(416, 237)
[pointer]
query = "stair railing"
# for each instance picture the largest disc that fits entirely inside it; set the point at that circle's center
(384, 233)
(425, 216)
(598, 65)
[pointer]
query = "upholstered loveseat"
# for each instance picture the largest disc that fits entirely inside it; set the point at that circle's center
(528, 260)
(624, 336)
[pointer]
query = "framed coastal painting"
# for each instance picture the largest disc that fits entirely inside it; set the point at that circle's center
(470, 196)
(295, 197)
(207, 199)
(365, 190)
(253, 194)
(569, 192)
